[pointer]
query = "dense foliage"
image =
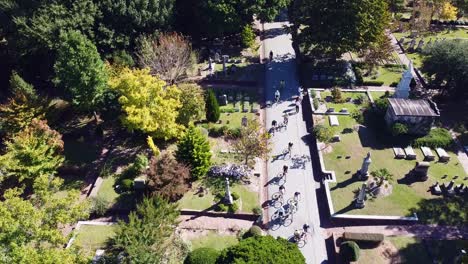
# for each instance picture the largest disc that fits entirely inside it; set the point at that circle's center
(167, 177)
(323, 133)
(262, 249)
(202, 256)
(212, 107)
(149, 104)
(194, 149)
(253, 142)
(360, 24)
(142, 239)
(399, 129)
(437, 138)
(192, 98)
(446, 64)
(349, 251)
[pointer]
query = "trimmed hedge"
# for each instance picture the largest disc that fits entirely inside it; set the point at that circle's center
(373, 83)
(202, 256)
(364, 237)
(437, 138)
(349, 251)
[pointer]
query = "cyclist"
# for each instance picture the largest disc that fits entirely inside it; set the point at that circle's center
(297, 196)
(285, 170)
(271, 55)
(282, 189)
(306, 228)
(285, 120)
(290, 145)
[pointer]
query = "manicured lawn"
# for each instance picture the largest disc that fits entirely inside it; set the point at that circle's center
(350, 106)
(405, 196)
(416, 58)
(410, 250)
(214, 240)
(377, 95)
(234, 120)
(388, 75)
(107, 190)
(91, 237)
(192, 200)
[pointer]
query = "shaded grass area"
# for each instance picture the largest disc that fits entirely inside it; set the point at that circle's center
(407, 195)
(417, 252)
(108, 191)
(214, 240)
(378, 95)
(90, 238)
(387, 75)
(350, 105)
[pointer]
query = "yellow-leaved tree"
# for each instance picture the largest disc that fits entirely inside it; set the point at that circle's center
(448, 12)
(149, 105)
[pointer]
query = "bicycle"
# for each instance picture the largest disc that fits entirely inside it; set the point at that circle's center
(277, 199)
(300, 238)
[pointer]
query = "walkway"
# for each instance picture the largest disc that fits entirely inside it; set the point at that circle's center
(403, 58)
(300, 177)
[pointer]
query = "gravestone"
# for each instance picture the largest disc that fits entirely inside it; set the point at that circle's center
(244, 121)
(421, 169)
(225, 59)
(436, 189)
(364, 171)
(412, 44)
(210, 64)
(228, 197)
(223, 99)
(323, 77)
(450, 188)
(360, 201)
(420, 45)
(217, 57)
(402, 40)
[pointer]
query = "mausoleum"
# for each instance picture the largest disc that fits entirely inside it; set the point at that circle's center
(417, 115)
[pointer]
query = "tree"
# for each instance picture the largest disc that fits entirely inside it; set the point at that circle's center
(382, 175)
(168, 178)
(446, 66)
(349, 250)
(149, 105)
(248, 36)
(144, 238)
(253, 142)
(337, 95)
(448, 12)
(202, 256)
(399, 129)
(21, 108)
(167, 56)
(194, 149)
(193, 103)
(262, 249)
(212, 107)
(323, 133)
(396, 6)
(29, 229)
(361, 23)
(377, 52)
(80, 70)
(33, 156)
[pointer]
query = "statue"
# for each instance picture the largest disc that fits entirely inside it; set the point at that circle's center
(228, 197)
(364, 171)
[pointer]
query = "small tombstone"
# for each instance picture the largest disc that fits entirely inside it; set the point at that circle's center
(139, 183)
(331, 109)
(336, 138)
(459, 187)
(344, 110)
(225, 59)
(420, 45)
(228, 197)
(421, 169)
(402, 40)
(217, 57)
(360, 201)
(412, 44)
(436, 189)
(244, 121)
(223, 99)
(450, 188)
(364, 171)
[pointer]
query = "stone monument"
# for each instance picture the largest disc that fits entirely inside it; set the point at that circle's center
(360, 201)
(244, 121)
(223, 99)
(420, 45)
(217, 57)
(225, 59)
(228, 197)
(364, 171)
(403, 88)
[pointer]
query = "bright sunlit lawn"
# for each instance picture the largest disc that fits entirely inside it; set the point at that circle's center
(405, 197)
(93, 237)
(214, 240)
(349, 105)
(387, 75)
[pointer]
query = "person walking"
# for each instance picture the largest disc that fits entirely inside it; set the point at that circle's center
(277, 96)
(297, 196)
(271, 55)
(285, 170)
(282, 190)
(290, 145)
(306, 228)
(297, 107)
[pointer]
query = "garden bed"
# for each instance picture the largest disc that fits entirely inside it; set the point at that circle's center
(406, 198)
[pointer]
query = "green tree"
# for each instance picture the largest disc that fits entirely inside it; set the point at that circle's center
(194, 149)
(323, 133)
(349, 250)
(382, 175)
(149, 104)
(361, 23)
(29, 229)
(396, 6)
(21, 108)
(446, 66)
(33, 156)
(144, 238)
(399, 129)
(192, 98)
(212, 107)
(262, 249)
(248, 36)
(80, 70)
(337, 95)
(202, 256)
(253, 142)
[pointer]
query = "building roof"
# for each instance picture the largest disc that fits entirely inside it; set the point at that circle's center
(408, 107)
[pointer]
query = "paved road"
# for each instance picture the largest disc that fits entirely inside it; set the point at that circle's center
(300, 177)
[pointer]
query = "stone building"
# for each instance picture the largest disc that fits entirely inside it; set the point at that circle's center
(417, 115)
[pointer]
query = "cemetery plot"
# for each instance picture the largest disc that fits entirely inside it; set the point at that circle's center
(351, 101)
(346, 158)
(93, 237)
(388, 75)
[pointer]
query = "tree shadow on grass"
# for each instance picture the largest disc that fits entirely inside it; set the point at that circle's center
(443, 211)
(344, 183)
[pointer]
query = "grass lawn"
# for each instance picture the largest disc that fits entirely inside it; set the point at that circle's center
(388, 75)
(350, 106)
(218, 144)
(448, 34)
(90, 237)
(233, 120)
(416, 58)
(377, 95)
(410, 250)
(214, 240)
(405, 196)
(107, 191)
(192, 200)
